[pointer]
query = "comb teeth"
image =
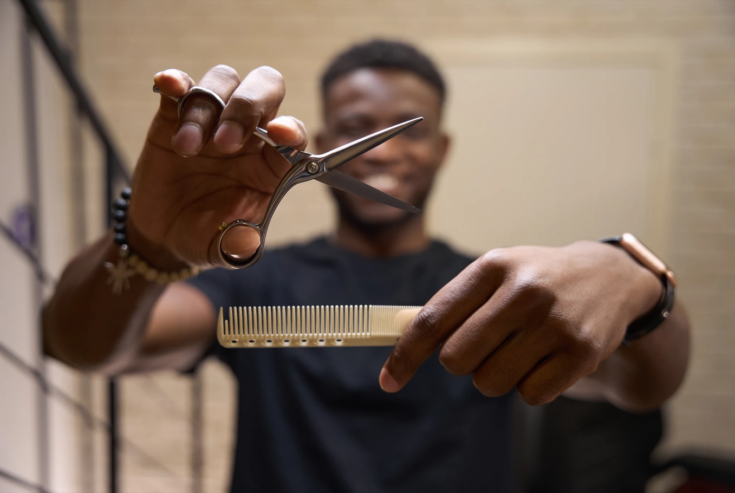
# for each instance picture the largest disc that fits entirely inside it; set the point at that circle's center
(313, 326)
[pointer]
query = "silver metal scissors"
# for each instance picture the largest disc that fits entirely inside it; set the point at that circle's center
(306, 167)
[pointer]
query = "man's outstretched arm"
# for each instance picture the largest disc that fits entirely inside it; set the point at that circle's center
(547, 320)
(146, 327)
(196, 170)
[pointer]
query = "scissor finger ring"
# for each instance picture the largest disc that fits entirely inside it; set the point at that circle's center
(194, 91)
(304, 167)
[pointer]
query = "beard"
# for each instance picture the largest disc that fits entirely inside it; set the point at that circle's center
(351, 213)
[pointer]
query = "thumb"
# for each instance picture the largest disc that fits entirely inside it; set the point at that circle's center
(240, 242)
(288, 131)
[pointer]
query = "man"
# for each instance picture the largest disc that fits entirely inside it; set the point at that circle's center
(546, 321)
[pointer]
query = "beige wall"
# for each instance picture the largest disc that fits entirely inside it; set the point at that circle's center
(555, 141)
(684, 122)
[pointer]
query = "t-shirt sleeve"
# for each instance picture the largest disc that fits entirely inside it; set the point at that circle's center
(232, 288)
(215, 284)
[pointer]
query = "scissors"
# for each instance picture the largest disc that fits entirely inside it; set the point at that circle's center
(305, 167)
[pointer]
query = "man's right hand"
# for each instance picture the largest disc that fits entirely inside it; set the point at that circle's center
(200, 169)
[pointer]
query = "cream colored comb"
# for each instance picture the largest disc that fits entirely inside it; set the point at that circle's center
(313, 326)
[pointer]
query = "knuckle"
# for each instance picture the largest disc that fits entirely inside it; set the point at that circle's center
(495, 259)
(489, 387)
(454, 361)
(244, 107)
(584, 343)
(493, 266)
(591, 366)
(529, 290)
(200, 111)
(269, 73)
(533, 297)
(534, 396)
(588, 362)
(584, 350)
(425, 322)
(226, 74)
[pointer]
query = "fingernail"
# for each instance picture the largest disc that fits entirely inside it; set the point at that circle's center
(167, 73)
(229, 136)
(387, 383)
(188, 140)
(285, 121)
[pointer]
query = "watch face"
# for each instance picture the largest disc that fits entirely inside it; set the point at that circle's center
(646, 257)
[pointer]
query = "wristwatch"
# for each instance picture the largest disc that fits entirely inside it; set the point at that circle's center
(640, 252)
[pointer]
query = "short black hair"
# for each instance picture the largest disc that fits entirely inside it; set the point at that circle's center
(387, 54)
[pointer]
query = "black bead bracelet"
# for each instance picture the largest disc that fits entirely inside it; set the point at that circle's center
(130, 263)
(119, 215)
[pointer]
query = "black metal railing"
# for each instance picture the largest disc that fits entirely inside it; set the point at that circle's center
(116, 175)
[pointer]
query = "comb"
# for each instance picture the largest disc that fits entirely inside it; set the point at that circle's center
(313, 326)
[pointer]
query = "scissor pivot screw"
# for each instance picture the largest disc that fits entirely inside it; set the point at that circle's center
(312, 168)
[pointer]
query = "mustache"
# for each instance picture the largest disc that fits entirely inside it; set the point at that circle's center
(350, 212)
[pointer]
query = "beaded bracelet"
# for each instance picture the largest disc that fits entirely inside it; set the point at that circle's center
(130, 263)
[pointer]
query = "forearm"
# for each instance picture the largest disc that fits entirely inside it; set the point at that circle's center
(644, 374)
(85, 324)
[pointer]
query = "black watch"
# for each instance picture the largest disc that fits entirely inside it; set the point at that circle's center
(636, 249)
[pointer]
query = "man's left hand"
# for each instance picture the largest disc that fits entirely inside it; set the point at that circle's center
(534, 318)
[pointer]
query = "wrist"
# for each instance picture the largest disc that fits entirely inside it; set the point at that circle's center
(647, 290)
(156, 255)
(130, 262)
(645, 259)
(641, 288)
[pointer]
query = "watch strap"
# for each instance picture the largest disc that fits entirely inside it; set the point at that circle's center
(647, 323)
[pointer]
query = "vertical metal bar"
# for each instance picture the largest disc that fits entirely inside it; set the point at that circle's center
(87, 467)
(110, 180)
(78, 188)
(197, 442)
(34, 193)
(112, 418)
(57, 51)
(112, 390)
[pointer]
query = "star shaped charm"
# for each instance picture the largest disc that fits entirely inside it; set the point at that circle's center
(119, 275)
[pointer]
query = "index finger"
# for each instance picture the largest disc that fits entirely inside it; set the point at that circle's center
(255, 102)
(451, 306)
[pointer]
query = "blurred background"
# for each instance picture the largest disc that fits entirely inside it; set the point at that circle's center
(571, 119)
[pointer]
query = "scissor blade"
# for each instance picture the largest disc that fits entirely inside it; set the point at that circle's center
(341, 155)
(346, 183)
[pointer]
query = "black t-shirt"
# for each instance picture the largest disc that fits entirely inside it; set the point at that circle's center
(316, 420)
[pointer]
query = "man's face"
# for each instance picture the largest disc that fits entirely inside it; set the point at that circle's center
(368, 100)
